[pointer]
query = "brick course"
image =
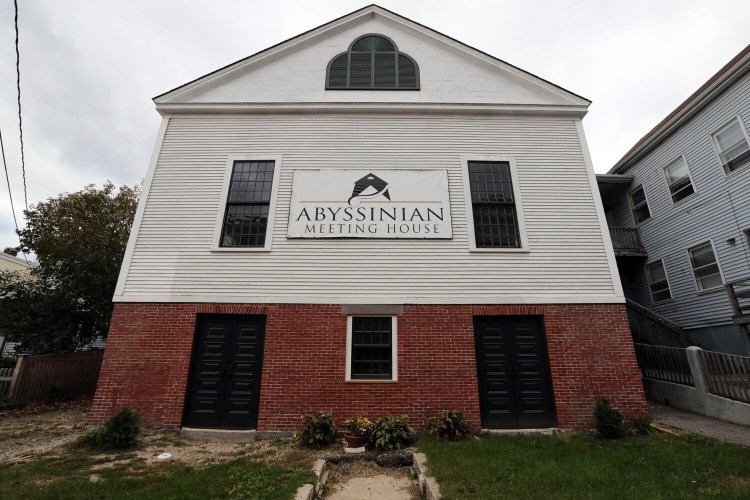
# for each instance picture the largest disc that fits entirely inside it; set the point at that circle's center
(147, 360)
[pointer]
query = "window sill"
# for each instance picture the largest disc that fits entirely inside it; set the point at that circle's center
(240, 249)
(741, 168)
(684, 200)
(371, 381)
(499, 250)
(711, 290)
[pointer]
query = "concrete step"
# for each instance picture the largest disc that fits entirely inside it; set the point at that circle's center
(229, 435)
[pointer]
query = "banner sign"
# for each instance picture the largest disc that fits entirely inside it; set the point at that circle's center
(370, 204)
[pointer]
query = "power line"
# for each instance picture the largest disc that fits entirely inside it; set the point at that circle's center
(20, 122)
(10, 193)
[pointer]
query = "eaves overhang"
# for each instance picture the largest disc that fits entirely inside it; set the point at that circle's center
(171, 109)
(718, 83)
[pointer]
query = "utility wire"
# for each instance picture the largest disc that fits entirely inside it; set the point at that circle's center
(10, 193)
(20, 122)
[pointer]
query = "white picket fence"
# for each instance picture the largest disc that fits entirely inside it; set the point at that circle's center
(6, 376)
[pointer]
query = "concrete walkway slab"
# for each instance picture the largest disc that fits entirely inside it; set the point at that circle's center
(380, 487)
(700, 424)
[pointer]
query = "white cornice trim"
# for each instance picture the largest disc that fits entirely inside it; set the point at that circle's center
(484, 299)
(369, 107)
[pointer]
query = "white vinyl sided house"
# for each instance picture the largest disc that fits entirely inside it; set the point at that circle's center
(370, 218)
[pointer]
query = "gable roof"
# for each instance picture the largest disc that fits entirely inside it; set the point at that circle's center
(370, 10)
(726, 76)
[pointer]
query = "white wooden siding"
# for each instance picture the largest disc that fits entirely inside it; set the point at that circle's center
(172, 258)
(719, 211)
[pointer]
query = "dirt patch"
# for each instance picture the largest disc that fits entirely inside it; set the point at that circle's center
(37, 429)
(365, 479)
(43, 430)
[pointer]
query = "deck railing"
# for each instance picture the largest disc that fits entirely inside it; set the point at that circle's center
(739, 297)
(648, 327)
(6, 377)
(727, 375)
(669, 364)
(627, 239)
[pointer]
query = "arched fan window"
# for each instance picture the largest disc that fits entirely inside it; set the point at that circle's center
(372, 62)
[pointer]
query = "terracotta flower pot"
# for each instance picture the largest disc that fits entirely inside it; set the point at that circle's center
(353, 441)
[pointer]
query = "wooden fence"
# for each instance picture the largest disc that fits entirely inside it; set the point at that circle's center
(727, 375)
(669, 364)
(6, 377)
(70, 374)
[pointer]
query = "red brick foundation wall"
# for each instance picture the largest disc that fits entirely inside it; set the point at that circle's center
(147, 360)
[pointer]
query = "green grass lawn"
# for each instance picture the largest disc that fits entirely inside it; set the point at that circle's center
(584, 466)
(70, 477)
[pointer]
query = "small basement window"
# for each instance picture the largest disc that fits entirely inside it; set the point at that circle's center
(639, 205)
(705, 267)
(732, 145)
(373, 62)
(658, 282)
(678, 179)
(371, 348)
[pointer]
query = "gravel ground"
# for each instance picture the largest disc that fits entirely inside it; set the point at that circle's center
(700, 424)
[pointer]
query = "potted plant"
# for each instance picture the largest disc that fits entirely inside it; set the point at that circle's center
(358, 431)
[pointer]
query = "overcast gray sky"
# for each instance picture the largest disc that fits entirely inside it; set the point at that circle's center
(89, 68)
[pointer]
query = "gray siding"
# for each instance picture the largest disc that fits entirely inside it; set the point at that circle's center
(172, 258)
(719, 211)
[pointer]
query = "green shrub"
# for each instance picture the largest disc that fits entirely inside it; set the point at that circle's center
(390, 433)
(609, 421)
(450, 425)
(318, 430)
(643, 424)
(119, 432)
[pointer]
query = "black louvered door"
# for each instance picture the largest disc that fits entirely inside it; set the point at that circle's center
(515, 390)
(224, 386)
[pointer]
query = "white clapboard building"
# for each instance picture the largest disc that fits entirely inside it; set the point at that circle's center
(369, 218)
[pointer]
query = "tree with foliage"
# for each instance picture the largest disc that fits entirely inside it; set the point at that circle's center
(79, 240)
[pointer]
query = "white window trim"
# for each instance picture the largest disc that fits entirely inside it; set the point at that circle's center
(666, 275)
(666, 179)
(523, 237)
(718, 264)
(632, 208)
(394, 351)
(215, 247)
(735, 118)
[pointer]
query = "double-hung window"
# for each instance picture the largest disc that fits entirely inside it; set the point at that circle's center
(732, 145)
(678, 179)
(639, 205)
(705, 267)
(246, 214)
(493, 205)
(371, 348)
(658, 282)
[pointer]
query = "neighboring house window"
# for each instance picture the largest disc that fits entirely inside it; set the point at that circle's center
(639, 205)
(248, 202)
(372, 62)
(657, 282)
(678, 179)
(732, 144)
(705, 267)
(371, 348)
